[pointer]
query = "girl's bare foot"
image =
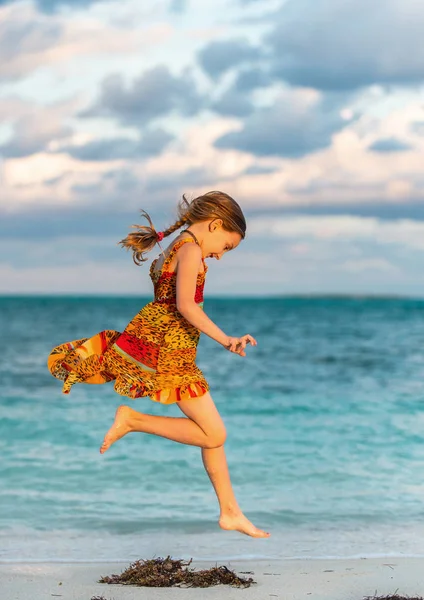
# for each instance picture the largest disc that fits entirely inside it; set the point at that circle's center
(120, 427)
(241, 523)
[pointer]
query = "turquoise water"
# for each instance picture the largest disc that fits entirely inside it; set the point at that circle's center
(324, 417)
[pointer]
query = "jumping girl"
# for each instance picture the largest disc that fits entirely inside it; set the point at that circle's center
(155, 355)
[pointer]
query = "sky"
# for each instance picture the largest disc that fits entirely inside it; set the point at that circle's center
(309, 113)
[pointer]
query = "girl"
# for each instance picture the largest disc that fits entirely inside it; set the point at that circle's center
(155, 355)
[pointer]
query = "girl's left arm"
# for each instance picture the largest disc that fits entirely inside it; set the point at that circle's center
(189, 260)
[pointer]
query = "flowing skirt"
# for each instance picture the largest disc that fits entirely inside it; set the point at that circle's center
(107, 356)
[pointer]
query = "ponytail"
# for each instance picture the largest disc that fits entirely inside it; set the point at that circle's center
(145, 239)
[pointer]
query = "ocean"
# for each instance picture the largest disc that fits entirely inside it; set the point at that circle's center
(325, 432)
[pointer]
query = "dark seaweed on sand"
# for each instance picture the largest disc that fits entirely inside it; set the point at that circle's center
(168, 572)
(393, 597)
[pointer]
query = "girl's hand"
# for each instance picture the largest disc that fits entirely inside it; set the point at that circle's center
(237, 345)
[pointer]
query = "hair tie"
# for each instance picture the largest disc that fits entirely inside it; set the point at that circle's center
(160, 236)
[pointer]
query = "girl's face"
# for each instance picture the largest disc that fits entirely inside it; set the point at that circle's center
(218, 241)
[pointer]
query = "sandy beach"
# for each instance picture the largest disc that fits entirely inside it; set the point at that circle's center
(329, 579)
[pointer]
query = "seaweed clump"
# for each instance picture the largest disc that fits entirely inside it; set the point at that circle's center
(393, 597)
(167, 572)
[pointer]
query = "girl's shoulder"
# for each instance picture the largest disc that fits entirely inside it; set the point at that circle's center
(176, 244)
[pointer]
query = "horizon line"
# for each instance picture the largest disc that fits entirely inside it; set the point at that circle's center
(220, 297)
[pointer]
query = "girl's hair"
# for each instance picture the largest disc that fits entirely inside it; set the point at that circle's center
(212, 205)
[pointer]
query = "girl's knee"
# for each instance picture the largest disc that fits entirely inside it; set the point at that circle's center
(204, 413)
(217, 439)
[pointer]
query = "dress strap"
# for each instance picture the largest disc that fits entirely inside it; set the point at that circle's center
(192, 235)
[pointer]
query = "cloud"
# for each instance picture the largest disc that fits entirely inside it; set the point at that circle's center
(369, 264)
(344, 176)
(334, 45)
(126, 189)
(390, 145)
(299, 122)
(154, 94)
(347, 228)
(219, 56)
(25, 39)
(178, 6)
(237, 99)
(30, 40)
(410, 209)
(35, 127)
(249, 79)
(153, 142)
(418, 127)
(258, 170)
(59, 222)
(89, 277)
(50, 6)
(45, 179)
(234, 104)
(58, 180)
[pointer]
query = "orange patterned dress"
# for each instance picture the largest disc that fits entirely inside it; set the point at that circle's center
(155, 354)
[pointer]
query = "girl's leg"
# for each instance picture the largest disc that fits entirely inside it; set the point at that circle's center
(231, 517)
(215, 463)
(203, 427)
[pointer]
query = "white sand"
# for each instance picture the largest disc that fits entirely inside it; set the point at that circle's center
(329, 579)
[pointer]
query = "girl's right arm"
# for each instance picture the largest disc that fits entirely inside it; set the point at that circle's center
(189, 259)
